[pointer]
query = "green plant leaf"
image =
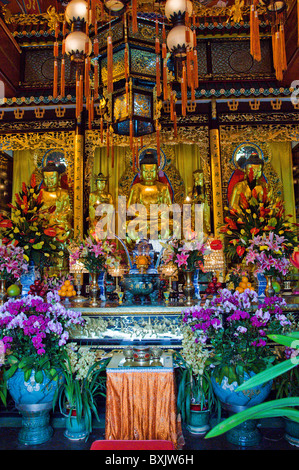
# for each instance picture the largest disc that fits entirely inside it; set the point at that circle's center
(266, 375)
(285, 340)
(251, 413)
(39, 376)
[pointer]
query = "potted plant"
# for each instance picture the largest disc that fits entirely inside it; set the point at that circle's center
(34, 332)
(286, 406)
(236, 327)
(84, 382)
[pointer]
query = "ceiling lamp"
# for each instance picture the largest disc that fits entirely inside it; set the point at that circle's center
(115, 7)
(78, 45)
(175, 10)
(179, 39)
(77, 11)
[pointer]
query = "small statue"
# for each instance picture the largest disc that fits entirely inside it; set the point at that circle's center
(198, 196)
(147, 192)
(56, 201)
(97, 197)
(252, 180)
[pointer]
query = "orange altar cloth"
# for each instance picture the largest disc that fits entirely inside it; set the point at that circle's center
(141, 403)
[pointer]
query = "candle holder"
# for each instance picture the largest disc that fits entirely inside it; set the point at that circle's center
(94, 289)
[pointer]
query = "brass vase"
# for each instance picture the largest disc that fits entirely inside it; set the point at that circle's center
(189, 288)
(94, 289)
(2, 291)
(269, 291)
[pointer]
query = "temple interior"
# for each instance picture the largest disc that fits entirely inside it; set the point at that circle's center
(146, 149)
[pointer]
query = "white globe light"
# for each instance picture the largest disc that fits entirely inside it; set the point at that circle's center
(76, 10)
(76, 41)
(176, 38)
(176, 7)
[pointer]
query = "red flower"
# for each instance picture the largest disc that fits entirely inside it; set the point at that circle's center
(230, 223)
(240, 250)
(254, 230)
(50, 232)
(244, 202)
(32, 240)
(6, 223)
(216, 244)
(33, 181)
(295, 259)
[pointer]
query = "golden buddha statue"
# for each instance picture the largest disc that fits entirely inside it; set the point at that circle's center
(198, 197)
(96, 198)
(148, 192)
(252, 180)
(56, 202)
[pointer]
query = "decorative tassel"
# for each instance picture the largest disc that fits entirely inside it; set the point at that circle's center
(81, 93)
(64, 29)
(283, 48)
(55, 81)
(164, 47)
(63, 47)
(133, 160)
(163, 33)
(189, 75)
(96, 80)
(278, 57)
(56, 30)
(134, 16)
(183, 90)
(126, 62)
(192, 84)
(96, 47)
(127, 98)
(195, 68)
(109, 64)
(171, 106)
(255, 45)
(158, 81)
(112, 150)
(157, 46)
(87, 84)
(77, 95)
(165, 88)
(131, 134)
(55, 49)
(62, 83)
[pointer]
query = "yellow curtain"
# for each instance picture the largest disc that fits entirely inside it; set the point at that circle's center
(282, 164)
(23, 167)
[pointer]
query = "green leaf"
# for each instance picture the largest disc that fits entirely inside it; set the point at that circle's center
(268, 374)
(289, 341)
(251, 413)
(11, 359)
(10, 372)
(39, 376)
(27, 374)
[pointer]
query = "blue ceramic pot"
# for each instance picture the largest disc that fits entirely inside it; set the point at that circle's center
(31, 392)
(75, 428)
(34, 401)
(292, 432)
(253, 396)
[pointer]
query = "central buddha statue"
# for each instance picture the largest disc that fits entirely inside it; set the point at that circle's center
(56, 202)
(148, 192)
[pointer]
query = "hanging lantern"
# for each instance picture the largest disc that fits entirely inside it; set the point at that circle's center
(77, 11)
(175, 10)
(177, 40)
(115, 7)
(78, 45)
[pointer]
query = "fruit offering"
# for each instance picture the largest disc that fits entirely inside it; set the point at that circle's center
(67, 289)
(244, 284)
(13, 290)
(38, 288)
(213, 286)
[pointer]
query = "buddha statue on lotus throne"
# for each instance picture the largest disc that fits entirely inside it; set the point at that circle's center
(147, 192)
(96, 198)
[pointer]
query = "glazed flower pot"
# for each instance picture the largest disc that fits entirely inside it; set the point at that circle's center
(291, 432)
(34, 401)
(199, 422)
(75, 428)
(246, 434)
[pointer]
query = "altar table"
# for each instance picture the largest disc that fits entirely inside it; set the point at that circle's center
(141, 402)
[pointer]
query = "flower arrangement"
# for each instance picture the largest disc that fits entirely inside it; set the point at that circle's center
(27, 226)
(269, 253)
(34, 332)
(12, 262)
(95, 255)
(235, 276)
(186, 254)
(236, 326)
(256, 217)
(84, 382)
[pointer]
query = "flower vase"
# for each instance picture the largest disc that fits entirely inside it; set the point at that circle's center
(291, 432)
(75, 428)
(269, 291)
(34, 401)
(189, 288)
(94, 289)
(28, 278)
(2, 291)
(247, 433)
(199, 421)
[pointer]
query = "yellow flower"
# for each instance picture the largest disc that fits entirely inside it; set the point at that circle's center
(281, 232)
(248, 211)
(31, 190)
(26, 247)
(229, 232)
(47, 255)
(60, 253)
(263, 247)
(16, 230)
(254, 215)
(17, 213)
(242, 231)
(26, 257)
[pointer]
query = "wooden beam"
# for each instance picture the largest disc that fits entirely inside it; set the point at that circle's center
(10, 55)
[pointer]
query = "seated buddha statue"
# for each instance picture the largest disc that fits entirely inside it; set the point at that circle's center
(147, 193)
(56, 202)
(253, 179)
(198, 197)
(96, 198)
